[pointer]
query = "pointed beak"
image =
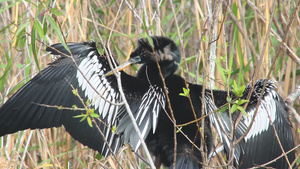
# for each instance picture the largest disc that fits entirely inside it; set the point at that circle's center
(123, 66)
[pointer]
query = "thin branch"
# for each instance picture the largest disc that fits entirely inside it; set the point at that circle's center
(119, 82)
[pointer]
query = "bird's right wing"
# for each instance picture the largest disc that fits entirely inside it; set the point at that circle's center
(78, 82)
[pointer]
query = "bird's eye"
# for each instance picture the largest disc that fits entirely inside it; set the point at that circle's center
(136, 59)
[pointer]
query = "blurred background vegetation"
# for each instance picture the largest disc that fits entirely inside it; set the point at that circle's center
(220, 41)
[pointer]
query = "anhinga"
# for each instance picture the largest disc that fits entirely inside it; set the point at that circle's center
(90, 78)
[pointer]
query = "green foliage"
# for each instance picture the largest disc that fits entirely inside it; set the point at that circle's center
(186, 92)
(88, 116)
(57, 31)
(179, 129)
(4, 75)
(237, 104)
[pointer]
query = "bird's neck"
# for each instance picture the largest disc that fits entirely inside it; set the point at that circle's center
(151, 73)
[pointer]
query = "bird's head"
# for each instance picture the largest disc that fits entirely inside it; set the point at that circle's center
(164, 50)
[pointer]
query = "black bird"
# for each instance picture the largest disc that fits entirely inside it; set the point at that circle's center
(146, 96)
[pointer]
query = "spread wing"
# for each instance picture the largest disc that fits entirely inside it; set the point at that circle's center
(78, 79)
(260, 145)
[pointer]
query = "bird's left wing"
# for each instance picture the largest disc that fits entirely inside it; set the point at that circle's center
(77, 80)
(260, 145)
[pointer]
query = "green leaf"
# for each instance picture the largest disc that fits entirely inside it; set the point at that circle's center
(98, 156)
(241, 90)
(56, 12)
(100, 50)
(89, 120)
(179, 129)
(242, 110)
(150, 40)
(223, 109)
(90, 111)
(38, 26)
(242, 101)
(21, 28)
(75, 92)
(59, 107)
(3, 78)
(228, 99)
(204, 38)
(88, 102)
(74, 107)
(114, 128)
(83, 118)
(185, 93)
(79, 116)
(33, 47)
(6, 7)
(94, 115)
(57, 31)
(45, 27)
(233, 108)
(238, 91)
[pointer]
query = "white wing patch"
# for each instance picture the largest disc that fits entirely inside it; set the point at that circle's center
(154, 99)
(266, 114)
(97, 89)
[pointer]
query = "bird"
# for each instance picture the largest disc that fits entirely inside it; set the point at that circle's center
(81, 77)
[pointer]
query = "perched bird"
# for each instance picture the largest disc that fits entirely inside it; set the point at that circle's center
(86, 75)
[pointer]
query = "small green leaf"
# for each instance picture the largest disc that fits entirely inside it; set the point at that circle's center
(242, 101)
(90, 111)
(114, 128)
(204, 38)
(179, 129)
(242, 110)
(40, 30)
(45, 27)
(33, 47)
(98, 156)
(228, 99)
(83, 118)
(5, 72)
(94, 115)
(21, 28)
(88, 102)
(223, 109)
(185, 92)
(150, 40)
(89, 120)
(79, 116)
(57, 31)
(74, 107)
(56, 12)
(59, 107)
(233, 108)
(242, 89)
(75, 92)
(100, 50)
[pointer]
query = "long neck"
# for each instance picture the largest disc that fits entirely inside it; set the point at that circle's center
(150, 73)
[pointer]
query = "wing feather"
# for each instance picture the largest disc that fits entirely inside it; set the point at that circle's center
(260, 144)
(54, 85)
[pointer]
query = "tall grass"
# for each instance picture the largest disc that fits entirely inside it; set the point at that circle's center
(220, 43)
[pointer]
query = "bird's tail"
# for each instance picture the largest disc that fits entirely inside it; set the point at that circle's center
(186, 161)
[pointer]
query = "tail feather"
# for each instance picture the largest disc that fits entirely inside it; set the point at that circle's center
(186, 161)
